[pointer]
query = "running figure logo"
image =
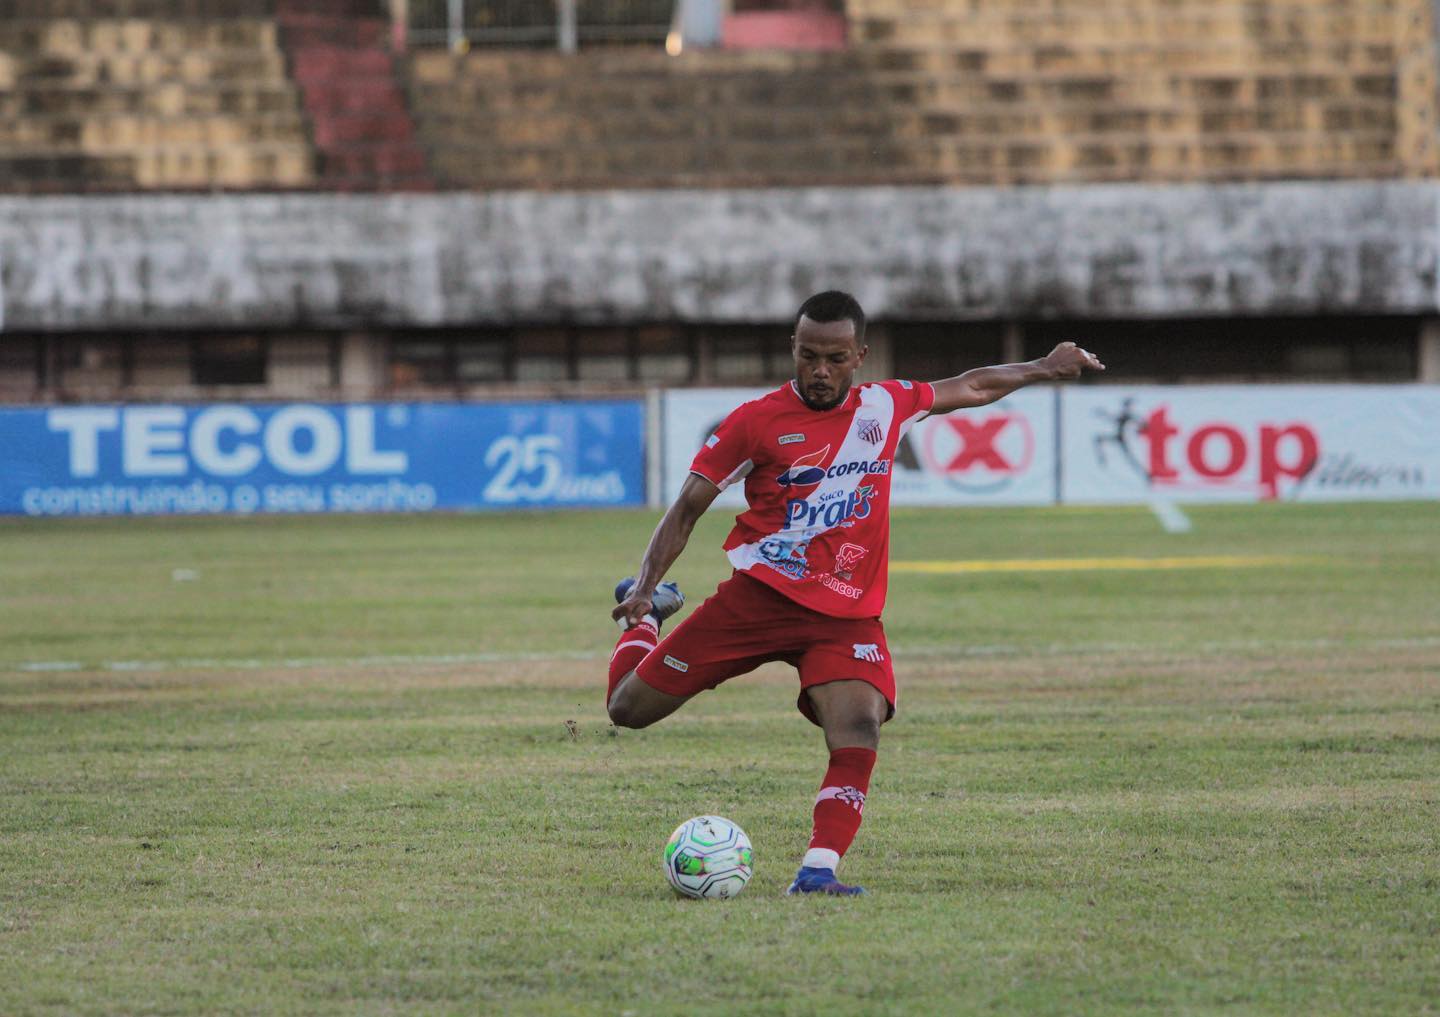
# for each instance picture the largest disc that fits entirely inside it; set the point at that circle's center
(1128, 425)
(847, 558)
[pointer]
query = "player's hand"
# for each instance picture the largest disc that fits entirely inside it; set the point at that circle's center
(1067, 361)
(633, 608)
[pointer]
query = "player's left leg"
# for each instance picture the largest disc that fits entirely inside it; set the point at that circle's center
(850, 712)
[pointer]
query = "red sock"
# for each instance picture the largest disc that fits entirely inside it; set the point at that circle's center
(634, 644)
(839, 805)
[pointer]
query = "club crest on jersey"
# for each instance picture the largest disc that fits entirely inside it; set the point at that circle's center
(869, 429)
(791, 439)
(805, 471)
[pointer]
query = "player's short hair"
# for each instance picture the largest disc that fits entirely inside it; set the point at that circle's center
(834, 305)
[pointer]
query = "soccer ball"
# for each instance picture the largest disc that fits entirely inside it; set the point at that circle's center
(708, 857)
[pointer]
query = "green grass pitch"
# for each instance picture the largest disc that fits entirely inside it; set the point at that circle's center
(361, 766)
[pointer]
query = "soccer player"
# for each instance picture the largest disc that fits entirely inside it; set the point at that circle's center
(810, 556)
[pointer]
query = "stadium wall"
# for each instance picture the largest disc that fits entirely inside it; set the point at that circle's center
(337, 261)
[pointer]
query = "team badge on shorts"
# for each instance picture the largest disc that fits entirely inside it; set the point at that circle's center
(868, 651)
(680, 665)
(869, 430)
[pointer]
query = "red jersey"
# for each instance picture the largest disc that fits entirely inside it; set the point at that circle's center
(817, 486)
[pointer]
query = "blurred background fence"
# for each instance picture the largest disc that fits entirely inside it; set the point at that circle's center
(558, 24)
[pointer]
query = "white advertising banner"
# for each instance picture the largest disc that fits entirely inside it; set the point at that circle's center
(1001, 454)
(689, 417)
(1250, 443)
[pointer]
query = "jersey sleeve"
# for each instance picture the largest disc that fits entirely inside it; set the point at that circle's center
(727, 455)
(913, 400)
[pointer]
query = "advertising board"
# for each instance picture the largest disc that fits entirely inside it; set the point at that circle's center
(1250, 443)
(1003, 454)
(314, 457)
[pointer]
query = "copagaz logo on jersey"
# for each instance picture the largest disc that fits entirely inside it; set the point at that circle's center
(807, 471)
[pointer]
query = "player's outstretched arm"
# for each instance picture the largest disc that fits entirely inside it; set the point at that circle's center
(666, 543)
(986, 384)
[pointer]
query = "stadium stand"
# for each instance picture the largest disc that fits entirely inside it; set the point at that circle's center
(222, 94)
(201, 95)
(132, 95)
(623, 118)
(970, 92)
(1165, 89)
(341, 59)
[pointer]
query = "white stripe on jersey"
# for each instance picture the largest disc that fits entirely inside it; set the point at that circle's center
(737, 474)
(909, 421)
(874, 401)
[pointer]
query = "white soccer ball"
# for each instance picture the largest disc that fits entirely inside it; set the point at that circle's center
(708, 857)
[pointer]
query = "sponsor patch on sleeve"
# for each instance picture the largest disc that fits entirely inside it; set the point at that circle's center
(678, 665)
(791, 439)
(712, 441)
(907, 384)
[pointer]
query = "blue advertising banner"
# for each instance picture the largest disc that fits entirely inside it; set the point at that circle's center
(313, 457)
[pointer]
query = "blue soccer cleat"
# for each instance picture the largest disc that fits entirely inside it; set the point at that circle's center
(667, 599)
(815, 880)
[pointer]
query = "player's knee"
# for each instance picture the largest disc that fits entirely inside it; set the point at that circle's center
(869, 730)
(855, 732)
(624, 714)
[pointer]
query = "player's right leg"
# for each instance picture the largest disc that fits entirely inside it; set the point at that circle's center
(731, 633)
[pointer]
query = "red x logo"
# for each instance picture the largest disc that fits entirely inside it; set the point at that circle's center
(977, 444)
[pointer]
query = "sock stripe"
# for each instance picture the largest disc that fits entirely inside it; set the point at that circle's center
(847, 795)
(633, 642)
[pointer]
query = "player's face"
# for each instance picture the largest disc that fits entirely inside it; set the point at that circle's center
(826, 358)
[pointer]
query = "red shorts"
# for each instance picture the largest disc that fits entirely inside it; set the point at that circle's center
(745, 624)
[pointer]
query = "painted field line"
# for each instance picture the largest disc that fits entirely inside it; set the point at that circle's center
(1219, 561)
(1172, 518)
(295, 663)
(1169, 649)
(952, 650)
